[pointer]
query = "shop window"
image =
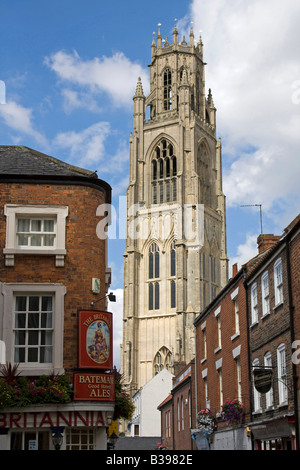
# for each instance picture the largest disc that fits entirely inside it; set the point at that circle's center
(80, 439)
(30, 440)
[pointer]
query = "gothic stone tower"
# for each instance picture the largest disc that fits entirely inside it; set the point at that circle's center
(175, 260)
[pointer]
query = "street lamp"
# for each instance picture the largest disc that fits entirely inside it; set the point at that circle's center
(57, 437)
(112, 441)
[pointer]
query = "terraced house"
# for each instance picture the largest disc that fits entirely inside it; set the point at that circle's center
(54, 281)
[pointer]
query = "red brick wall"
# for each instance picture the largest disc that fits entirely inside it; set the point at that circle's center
(295, 284)
(85, 256)
(273, 329)
(228, 343)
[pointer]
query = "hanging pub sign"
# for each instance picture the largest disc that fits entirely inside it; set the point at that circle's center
(94, 387)
(262, 379)
(95, 339)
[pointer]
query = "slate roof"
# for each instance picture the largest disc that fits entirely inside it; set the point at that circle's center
(20, 160)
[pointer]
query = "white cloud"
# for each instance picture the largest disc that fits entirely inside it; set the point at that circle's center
(116, 75)
(20, 120)
(86, 147)
(253, 69)
(75, 100)
(244, 252)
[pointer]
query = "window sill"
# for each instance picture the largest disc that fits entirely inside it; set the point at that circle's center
(236, 335)
(254, 324)
(217, 349)
(9, 254)
(265, 316)
(277, 305)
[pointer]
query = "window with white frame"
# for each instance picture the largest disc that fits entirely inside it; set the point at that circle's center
(33, 318)
(238, 378)
(265, 293)
(220, 386)
(278, 285)
(33, 328)
(204, 344)
(35, 229)
(236, 316)
(218, 319)
(281, 374)
(80, 439)
(269, 394)
(254, 306)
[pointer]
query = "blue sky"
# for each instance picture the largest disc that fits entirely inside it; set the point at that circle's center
(71, 68)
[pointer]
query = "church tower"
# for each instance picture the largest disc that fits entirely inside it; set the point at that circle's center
(175, 260)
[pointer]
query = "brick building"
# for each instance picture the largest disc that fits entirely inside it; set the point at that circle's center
(53, 265)
(178, 411)
(222, 359)
(273, 306)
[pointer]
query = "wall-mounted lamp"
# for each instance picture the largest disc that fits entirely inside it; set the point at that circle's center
(111, 297)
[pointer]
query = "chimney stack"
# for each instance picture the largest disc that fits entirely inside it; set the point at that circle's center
(234, 269)
(266, 241)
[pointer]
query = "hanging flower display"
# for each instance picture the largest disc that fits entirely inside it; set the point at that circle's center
(206, 421)
(232, 411)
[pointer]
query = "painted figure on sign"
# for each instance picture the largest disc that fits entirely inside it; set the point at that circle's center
(98, 342)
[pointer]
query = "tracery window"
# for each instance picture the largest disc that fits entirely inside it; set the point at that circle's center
(162, 360)
(173, 274)
(167, 89)
(153, 273)
(164, 173)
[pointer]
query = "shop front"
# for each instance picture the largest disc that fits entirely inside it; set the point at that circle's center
(75, 426)
(274, 434)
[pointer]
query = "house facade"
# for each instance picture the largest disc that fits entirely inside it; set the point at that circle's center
(178, 411)
(273, 328)
(53, 272)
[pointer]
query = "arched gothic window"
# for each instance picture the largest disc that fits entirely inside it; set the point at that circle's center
(164, 173)
(167, 89)
(153, 273)
(173, 274)
(162, 360)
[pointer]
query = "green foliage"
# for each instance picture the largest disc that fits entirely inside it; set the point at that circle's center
(124, 407)
(24, 391)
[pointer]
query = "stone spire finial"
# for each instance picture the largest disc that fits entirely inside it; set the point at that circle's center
(192, 37)
(139, 88)
(175, 33)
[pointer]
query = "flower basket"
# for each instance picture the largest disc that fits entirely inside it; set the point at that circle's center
(206, 421)
(160, 446)
(233, 411)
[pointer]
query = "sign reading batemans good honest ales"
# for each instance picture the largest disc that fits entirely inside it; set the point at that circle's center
(94, 387)
(262, 379)
(95, 339)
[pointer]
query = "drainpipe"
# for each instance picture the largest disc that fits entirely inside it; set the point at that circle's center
(291, 310)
